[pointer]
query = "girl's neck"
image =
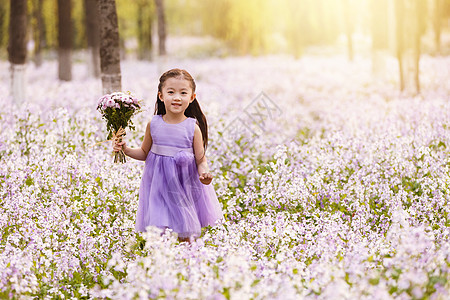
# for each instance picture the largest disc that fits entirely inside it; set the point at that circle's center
(173, 118)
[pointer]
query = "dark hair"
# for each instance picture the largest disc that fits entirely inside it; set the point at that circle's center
(193, 110)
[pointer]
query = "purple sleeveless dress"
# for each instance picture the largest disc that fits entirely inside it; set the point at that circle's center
(171, 194)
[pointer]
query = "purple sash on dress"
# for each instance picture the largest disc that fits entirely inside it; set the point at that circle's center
(168, 150)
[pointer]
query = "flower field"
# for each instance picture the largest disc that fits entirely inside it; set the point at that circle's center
(333, 184)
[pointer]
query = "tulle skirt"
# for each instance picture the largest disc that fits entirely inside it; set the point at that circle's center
(172, 196)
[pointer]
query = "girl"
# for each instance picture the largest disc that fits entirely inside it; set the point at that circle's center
(175, 191)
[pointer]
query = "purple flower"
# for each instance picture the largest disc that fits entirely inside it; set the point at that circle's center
(103, 99)
(110, 103)
(128, 100)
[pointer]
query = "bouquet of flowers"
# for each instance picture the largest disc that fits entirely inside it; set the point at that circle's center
(117, 109)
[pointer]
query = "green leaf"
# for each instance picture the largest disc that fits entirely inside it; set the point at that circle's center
(29, 181)
(216, 271)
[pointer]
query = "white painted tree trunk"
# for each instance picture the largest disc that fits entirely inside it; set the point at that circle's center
(410, 70)
(379, 63)
(162, 62)
(93, 38)
(65, 64)
(17, 49)
(111, 83)
(64, 40)
(93, 65)
(18, 91)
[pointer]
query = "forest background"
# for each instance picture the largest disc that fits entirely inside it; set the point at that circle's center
(232, 27)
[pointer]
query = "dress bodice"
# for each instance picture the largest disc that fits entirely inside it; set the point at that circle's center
(176, 135)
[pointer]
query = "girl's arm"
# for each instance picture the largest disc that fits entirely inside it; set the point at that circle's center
(200, 158)
(137, 153)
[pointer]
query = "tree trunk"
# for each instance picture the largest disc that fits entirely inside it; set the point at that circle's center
(379, 22)
(17, 48)
(140, 25)
(3, 18)
(144, 22)
(161, 27)
(64, 40)
(437, 13)
(379, 28)
(298, 25)
(322, 35)
(38, 32)
(411, 24)
(109, 46)
(417, 14)
(348, 28)
(93, 37)
(399, 14)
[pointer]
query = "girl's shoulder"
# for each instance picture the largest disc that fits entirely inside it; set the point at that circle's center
(153, 121)
(194, 123)
(193, 120)
(155, 118)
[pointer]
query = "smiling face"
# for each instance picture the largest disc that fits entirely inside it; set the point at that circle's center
(176, 93)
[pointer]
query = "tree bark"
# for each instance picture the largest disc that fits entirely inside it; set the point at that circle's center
(379, 9)
(399, 14)
(17, 48)
(437, 15)
(93, 37)
(348, 29)
(322, 32)
(140, 25)
(3, 18)
(298, 25)
(109, 47)
(161, 27)
(38, 32)
(417, 39)
(379, 29)
(144, 22)
(64, 40)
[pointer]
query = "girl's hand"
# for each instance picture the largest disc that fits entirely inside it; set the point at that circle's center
(206, 178)
(117, 146)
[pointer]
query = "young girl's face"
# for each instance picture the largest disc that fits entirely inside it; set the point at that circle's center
(176, 94)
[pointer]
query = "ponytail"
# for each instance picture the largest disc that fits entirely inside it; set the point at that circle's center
(194, 111)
